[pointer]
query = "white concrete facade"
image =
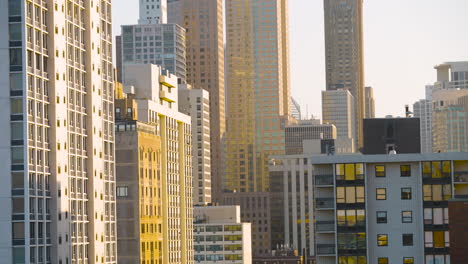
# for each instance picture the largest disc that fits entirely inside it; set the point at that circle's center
(153, 12)
(60, 155)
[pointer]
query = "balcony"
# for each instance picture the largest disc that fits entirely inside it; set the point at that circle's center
(324, 180)
(325, 203)
(325, 226)
(326, 249)
(461, 176)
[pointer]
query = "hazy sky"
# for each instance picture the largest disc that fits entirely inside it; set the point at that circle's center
(403, 41)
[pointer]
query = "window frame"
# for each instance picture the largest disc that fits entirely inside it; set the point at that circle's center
(377, 217)
(403, 195)
(385, 259)
(409, 243)
(407, 173)
(380, 174)
(386, 240)
(377, 195)
(408, 258)
(405, 217)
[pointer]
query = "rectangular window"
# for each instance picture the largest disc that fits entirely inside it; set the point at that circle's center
(407, 239)
(406, 193)
(381, 194)
(382, 240)
(379, 170)
(407, 216)
(381, 217)
(382, 261)
(122, 191)
(405, 170)
(408, 260)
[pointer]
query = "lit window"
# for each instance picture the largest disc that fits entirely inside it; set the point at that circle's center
(379, 171)
(405, 170)
(406, 216)
(122, 191)
(406, 193)
(382, 240)
(382, 261)
(408, 260)
(381, 194)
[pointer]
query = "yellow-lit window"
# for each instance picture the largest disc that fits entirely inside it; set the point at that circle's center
(359, 171)
(405, 170)
(408, 260)
(446, 169)
(426, 169)
(380, 171)
(340, 171)
(351, 217)
(350, 195)
(439, 241)
(381, 194)
(382, 240)
(436, 169)
(340, 195)
(382, 260)
(350, 174)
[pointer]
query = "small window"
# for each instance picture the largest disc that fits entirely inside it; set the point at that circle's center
(407, 239)
(122, 191)
(380, 171)
(407, 217)
(381, 194)
(382, 261)
(405, 170)
(406, 193)
(382, 240)
(381, 217)
(408, 260)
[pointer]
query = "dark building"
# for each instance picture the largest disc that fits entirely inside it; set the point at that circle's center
(382, 135)
(118, 57)
(458, 229)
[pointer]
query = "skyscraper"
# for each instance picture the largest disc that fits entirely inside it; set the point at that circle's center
(57, 150)
(203, 21)
(370, 102)
(258, 89)
(344, 53)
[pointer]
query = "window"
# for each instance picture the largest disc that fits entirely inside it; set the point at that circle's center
(406, 193)
(347, 218)
(436, 216)
(407, 239)
(381, 217)
(436, 239)
(437, 192)
(405, 170)
(350, 172)
(407, 216)
(380, 171)
(381, 194)
(408, 260)
(122, 191)
(382, 261)
(354, 194)
(382, 240)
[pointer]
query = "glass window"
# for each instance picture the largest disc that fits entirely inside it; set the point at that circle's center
(17, 155)
(405, 170)
(16, 131)
(122, 191)
(407, 239)
(381, 217)
(406, 193)
(14, 9)
(16, 57)
(382, 240)
(380, 171)
(16, 106)
(408, 260)
(16, 82)
(350, 172)
(382, 261)
(15, 32)
(381, 194)
(407, 216)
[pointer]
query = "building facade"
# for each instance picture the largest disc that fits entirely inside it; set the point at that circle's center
(58, 184)
(160, 44)
(370, 208)
(204, 24)
(296, 134)
(370, 102)
(258, 90)
(295, 109)
(155, 93)
(153, 12)
(220, 236)
(338, 108)
(196, 104)
(422, 109)
(344, 53)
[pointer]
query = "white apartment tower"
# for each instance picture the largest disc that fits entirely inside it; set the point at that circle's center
(57, 148)
(153, 12)
(196, 103)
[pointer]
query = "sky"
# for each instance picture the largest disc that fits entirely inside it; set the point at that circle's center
(403, 41)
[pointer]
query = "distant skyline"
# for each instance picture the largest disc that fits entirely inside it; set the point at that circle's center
(403, 41)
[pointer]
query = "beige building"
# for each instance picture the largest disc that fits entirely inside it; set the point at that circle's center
(370, 102)
(344, 53)
(196, 103)
(338, 109)
(203, 21)
(258, 92)
(57, 195)
(220, 236)
(155, 94)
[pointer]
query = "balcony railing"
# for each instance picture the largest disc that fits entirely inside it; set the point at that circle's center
(326, 249)
(461, 176)
(325, 226)
(325, 203)
(321, 180)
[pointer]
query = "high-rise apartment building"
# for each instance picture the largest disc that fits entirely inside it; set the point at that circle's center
(161, 44)
(153, 12)
(296, 134)
(452, 75)
(344, 54)
(58, 184)
(295, 109)
(422, 109)
(203, 21)
(169, 165)
(196, 103)
(367, 208)
(258, 90)
(220, 236)
(338, 108)
(370, 102)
